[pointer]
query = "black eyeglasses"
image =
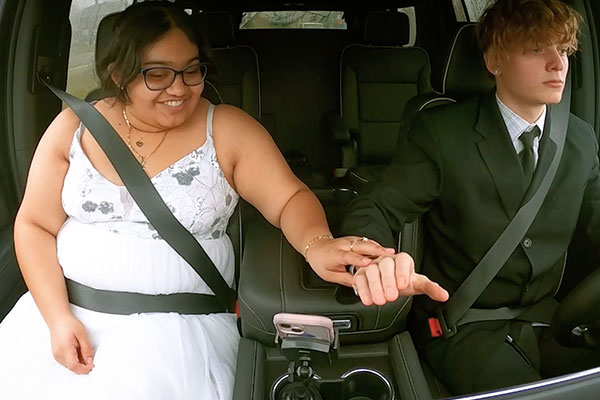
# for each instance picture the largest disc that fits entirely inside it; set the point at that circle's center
(160, 78)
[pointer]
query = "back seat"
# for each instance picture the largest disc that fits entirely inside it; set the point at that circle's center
(377, 78)
(299, 85)
(236, 79)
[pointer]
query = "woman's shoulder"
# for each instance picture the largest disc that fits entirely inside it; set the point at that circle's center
(60, 132)
(107, 106)
(230, 112)
(233, 122)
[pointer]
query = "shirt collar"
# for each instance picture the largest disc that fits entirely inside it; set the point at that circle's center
(517, 125)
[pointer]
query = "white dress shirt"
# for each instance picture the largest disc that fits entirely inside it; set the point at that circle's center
(517, 125)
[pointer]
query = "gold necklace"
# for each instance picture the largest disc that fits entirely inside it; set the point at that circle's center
(141, 158)
(140, 141)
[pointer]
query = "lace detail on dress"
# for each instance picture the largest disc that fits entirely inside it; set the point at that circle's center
(194, 188)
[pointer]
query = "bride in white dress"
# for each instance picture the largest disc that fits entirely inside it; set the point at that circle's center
(77, 220)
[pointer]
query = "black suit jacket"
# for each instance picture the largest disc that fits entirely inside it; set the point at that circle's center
(459, 168)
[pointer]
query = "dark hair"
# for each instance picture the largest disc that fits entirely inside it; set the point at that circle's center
(507, 22)
(137, 27)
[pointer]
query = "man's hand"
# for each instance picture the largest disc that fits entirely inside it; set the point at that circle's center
(329, 257)
(390, 276)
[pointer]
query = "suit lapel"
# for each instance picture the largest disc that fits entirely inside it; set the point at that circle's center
(546, 153)
(499, 155)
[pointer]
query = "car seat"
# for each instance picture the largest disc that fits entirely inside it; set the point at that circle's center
(377, 78)
(236, 78)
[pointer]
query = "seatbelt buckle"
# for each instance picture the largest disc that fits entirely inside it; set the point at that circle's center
(438, 326)
(435, 328)
(236, 308)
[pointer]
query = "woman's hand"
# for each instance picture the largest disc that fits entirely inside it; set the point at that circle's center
(390, 276)
(70, 344)
(329, 257)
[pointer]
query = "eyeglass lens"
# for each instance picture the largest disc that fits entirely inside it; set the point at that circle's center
(159, 78)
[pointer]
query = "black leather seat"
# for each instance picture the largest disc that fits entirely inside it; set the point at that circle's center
(13, 285)
(465, 75)
(377, 78)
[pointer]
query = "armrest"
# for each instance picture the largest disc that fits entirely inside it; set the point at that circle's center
(338, 128)
(275, 278)
(341, 135)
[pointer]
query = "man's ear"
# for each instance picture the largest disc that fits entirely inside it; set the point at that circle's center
(492, 64)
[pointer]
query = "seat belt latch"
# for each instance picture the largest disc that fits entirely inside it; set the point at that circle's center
(438, 326)
(435, 328)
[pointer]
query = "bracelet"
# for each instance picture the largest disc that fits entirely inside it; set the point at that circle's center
(312, 241)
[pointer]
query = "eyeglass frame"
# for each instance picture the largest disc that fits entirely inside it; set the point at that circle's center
(204, 66)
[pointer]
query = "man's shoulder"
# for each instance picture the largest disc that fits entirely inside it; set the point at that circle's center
(578, 122)
(580, 128)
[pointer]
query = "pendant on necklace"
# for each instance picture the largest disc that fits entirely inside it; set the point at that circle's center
(139, 143)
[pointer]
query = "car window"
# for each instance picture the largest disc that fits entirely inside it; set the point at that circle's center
(293, 20)
(311, 20)
(85, 16)
(475, 8)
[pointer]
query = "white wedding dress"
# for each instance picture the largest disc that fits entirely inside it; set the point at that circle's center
(107, 243)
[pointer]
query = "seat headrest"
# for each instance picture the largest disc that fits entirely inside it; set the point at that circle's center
(466, 74)
(217, 27)
(105, 35)
(387, 28)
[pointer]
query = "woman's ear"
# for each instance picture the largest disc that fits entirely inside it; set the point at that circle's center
(115, 76)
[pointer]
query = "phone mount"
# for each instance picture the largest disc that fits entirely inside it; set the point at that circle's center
(301, 352)
(301, 382)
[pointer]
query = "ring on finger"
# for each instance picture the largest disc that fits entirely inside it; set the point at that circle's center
(354, 241)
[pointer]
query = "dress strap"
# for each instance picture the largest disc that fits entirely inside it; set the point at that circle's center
(209, 119)
(76, 142)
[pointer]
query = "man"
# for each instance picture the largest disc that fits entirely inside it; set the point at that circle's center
(468, 168)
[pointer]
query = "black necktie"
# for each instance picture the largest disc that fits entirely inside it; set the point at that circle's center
(527, 155)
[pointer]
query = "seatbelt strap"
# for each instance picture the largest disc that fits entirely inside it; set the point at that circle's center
(450, 313)
(540, 312)
(148, 199)
(125, 303)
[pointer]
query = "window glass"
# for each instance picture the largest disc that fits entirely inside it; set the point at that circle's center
(476, 7)
(293, 20)
(85, 16)
(459, 10)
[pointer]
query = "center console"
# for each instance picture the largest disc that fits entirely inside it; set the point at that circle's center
(372, 357)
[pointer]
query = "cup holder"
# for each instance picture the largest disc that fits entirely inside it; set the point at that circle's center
(356, 384)
(283, 389)
(366, 384)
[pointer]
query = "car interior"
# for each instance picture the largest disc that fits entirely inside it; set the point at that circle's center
(337, 103)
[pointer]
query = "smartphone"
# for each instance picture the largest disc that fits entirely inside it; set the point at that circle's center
(290, 325)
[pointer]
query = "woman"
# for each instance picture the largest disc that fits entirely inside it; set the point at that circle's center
(84, 225)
